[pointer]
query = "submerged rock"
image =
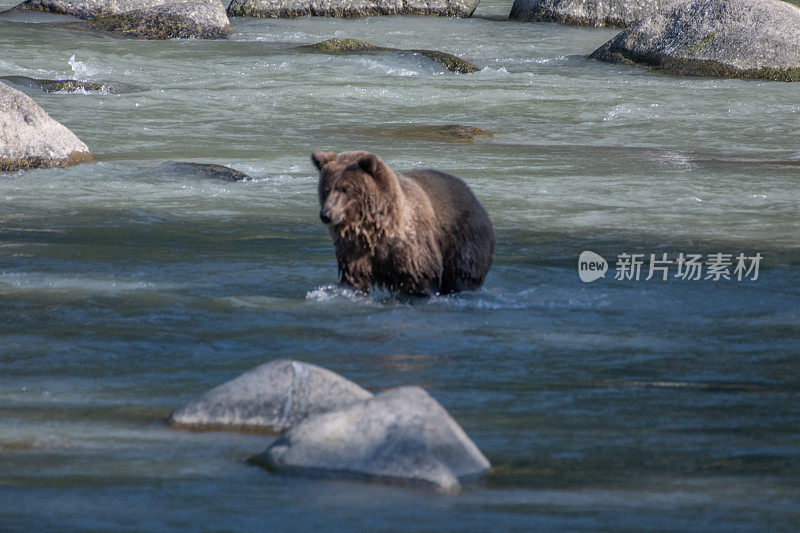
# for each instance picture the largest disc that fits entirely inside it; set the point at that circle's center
(69, 86)
(350, 8)
(598, 13)
(401, 435)
(343, 46)
(354, 46)
(203, 170)
(447, 132)
(720, 38)
(148, 19)
(271, 398)
(30, 138)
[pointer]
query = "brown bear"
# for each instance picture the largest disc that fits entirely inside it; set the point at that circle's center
(420, 232)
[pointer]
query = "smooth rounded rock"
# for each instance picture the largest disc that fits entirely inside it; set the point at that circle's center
(203, 170)
(271, 398)
(30, 138)
(350, 8)
(717, 38)
(597, 13)
(401, 435)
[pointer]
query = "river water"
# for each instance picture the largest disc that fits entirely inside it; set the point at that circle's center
(622, 403)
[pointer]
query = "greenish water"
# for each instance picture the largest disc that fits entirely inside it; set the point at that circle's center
(125, 292)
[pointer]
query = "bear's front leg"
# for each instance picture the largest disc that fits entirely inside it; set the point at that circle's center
(356, 272)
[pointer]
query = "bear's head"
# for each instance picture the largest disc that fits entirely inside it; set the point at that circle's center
(359, 196)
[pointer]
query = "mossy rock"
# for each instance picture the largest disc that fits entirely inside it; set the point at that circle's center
(718, 38)
(355, 46)
(342, 46)
(448, 61)
(147, 19)
(146, 24)
(68, 86)
(431, 132)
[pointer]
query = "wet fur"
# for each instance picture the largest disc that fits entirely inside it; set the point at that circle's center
(420, 232)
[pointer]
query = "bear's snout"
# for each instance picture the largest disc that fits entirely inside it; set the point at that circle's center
(325, 216)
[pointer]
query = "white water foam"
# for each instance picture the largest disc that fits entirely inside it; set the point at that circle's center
(81, 69)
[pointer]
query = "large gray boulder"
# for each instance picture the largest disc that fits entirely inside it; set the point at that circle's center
(350, 8)
(30, 138)
(148, 19)
(401, 435)
(272, 398)
(720, 38)
(598, 13)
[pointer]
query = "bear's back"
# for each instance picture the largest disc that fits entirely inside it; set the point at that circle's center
(451, 198)
(466, 234)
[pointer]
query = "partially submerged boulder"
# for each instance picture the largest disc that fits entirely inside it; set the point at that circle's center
(271, 398)
(148, 19)
(350, 8)
(430, 132)
(719, 38)
(401, 435)
(30, 138)
(203, 170)
(354, 46)
(597, 13)
(67, 86)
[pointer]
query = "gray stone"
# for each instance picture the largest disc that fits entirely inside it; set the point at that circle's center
(271, 398)
(350, 8)
(30, 138)
(719, 38)
(203, 170)
(598, 13)
(149, 19)
(401, 435)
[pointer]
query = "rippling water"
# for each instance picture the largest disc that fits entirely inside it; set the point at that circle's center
(124, 291)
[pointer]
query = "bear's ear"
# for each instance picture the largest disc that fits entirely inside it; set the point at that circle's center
(372, 165)
(321, 158)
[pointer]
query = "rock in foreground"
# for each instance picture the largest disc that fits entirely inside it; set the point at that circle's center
(271, 398)
(147, 19)
(401, 435)
(354, 46)
(350, 8)
(598, 13)
(30, 138)
(719, 38)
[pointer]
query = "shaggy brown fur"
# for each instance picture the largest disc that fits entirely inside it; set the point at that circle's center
(420, 232)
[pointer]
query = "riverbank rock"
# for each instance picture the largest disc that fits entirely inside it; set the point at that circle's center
(203, 170)
(30, 138)
(271, 398)
(718, 38)
(401, 435)
(67, 86)
(354, 46)
(427, 132)
(147, 19)
(350, 8)
(597, 13)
